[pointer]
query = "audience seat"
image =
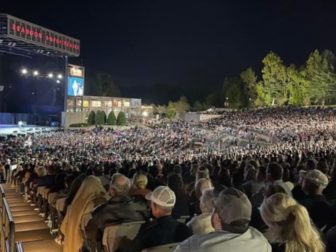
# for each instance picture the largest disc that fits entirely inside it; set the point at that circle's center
(116, 236)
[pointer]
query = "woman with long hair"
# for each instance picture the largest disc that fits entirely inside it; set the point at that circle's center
(290, 228)
(90, 194)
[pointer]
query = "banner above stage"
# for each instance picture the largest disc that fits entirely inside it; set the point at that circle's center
(28, 32)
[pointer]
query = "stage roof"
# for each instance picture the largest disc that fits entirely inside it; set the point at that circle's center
(24, 38)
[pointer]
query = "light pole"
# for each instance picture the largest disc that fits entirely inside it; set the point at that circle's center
(65, 83)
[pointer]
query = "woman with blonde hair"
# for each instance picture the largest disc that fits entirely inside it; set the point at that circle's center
(90, 194)
(290, 228)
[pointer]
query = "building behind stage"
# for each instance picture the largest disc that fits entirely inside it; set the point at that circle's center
(79, 107)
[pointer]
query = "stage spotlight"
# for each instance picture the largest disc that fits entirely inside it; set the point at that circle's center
(58, 81)
(36, 73)
(50, 75)
(59, 76)
(24, 71)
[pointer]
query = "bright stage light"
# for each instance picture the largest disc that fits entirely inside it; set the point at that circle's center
(58, 81)
(59, 76)
(36, 73)
(24, 71)
(50, 75)
(145, 113)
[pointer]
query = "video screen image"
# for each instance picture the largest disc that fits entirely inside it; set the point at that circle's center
(75, 86)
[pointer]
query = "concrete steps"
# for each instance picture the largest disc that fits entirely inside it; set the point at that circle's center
(24, 213)
(36, 235)
(27, 218)
(30, 228)
(41, 246)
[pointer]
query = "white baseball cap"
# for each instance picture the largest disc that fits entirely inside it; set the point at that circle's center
(162, 196)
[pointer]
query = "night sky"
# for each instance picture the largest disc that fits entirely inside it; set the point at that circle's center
(183, 47)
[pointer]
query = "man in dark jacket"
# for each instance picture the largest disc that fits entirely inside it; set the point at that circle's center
(119, 209)
(164, 229)
(319, 209)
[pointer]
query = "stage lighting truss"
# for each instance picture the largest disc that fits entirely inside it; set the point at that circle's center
(37, 74)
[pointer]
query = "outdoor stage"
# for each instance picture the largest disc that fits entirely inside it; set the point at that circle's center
(12, 129)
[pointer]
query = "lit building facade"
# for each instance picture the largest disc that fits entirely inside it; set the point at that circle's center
(130, 106)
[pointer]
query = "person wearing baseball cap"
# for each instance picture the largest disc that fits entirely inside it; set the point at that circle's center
(230, 218)
(319, 208)
(164, 229)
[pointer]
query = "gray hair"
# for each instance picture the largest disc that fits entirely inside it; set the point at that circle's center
(201, 185)
(120, 183)
(207, 201)
(140, 180)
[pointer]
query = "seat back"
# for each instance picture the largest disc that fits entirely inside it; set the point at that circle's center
(163, 248)
(116, 236)
(40, 190)
(60, 204)
(51, 197)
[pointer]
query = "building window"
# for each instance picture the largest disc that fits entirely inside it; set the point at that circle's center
(115, 103)
(70, 102)
(85, 104)
(108, 104)
(79, 103)
(96, 104)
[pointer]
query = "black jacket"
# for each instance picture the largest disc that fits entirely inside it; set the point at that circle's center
(117, 210)
(161, 231)
(320, 210)
(181, 207)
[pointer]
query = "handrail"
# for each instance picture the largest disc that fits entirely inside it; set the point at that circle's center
(2, 193)
(2, 218)
(10, 221)
(2, 190)
(19, 247)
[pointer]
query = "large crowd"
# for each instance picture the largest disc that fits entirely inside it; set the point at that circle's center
(262, 180)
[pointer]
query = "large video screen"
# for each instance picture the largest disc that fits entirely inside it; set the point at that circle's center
(75, 86)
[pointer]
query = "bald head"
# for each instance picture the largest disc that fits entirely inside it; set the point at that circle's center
(120, 185)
